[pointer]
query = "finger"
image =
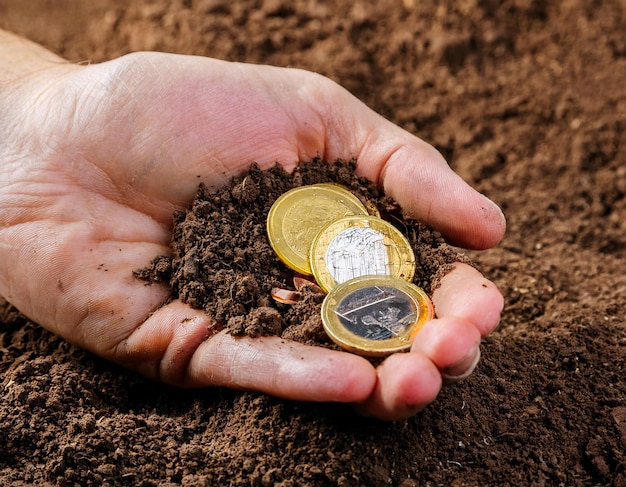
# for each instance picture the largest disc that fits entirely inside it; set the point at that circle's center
(407, 382)
(413, 173)
(418, 178)
(444, 201)
(464, 293)
(282, 368)
(463, 369)
(468, 307)
(450, 343)
(162, 346)
(182, 346)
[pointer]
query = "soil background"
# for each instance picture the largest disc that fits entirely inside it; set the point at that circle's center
(527, 101)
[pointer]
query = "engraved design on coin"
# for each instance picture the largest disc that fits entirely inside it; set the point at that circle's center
(356, 252)
(310, 219)
(377, 313)
(297, 216)
(360, 246)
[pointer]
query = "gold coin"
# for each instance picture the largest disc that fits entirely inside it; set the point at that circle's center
(298, 215)
(375, 315)
(360, 246)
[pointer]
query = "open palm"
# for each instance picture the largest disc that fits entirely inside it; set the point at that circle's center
(98, 158)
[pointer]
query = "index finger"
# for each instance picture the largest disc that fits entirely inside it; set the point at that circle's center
(466, 294)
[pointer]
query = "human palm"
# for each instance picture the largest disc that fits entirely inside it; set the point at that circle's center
(99, 157)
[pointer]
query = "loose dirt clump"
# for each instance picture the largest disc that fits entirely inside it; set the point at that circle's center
(223, 262)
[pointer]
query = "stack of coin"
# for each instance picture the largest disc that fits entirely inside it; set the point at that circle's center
(364, 263)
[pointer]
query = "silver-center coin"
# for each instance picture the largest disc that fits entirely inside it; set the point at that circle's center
(357, 252)
(377, 313)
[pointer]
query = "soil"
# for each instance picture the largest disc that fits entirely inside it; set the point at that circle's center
(223, 263)
(526, 99)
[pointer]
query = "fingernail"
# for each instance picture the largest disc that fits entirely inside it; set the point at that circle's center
(462, 369)
(497, 208)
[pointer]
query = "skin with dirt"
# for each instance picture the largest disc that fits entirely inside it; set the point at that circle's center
(525, 99)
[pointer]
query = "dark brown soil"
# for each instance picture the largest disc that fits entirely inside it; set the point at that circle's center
(223, 263)
(527, 100)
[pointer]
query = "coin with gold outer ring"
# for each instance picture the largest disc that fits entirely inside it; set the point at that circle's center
(357, 246)
(298, 215)
(375, 315)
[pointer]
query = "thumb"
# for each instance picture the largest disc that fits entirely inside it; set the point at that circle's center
(414, 174)
(418, 178)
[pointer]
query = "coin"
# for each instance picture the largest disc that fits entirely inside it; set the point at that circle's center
(358, 246)
(298, 215)
(375, 315)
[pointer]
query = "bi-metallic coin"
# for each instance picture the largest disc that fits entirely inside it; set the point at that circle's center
(298, 215)
(357, 246)
(375, 315)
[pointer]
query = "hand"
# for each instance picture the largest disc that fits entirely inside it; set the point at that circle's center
(96, 158)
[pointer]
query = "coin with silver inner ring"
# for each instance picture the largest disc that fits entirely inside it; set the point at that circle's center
(375, 315)
(359, 246)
